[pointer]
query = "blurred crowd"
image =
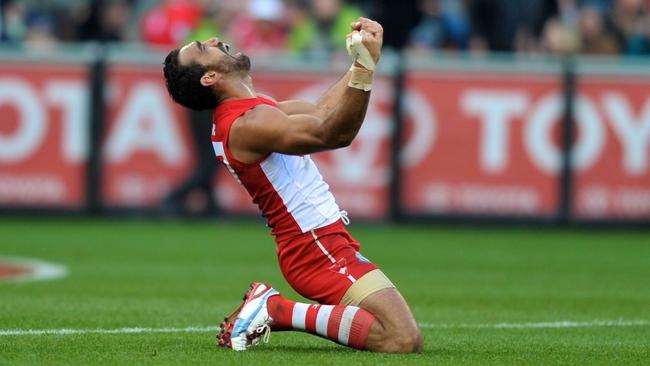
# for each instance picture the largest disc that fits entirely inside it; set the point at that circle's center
(315, 27)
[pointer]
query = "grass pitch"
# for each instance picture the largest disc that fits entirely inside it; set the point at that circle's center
(482, 295)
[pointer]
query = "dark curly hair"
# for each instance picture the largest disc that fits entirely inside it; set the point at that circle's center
(184, 84)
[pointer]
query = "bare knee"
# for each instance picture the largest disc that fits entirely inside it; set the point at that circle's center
(400, 341)
(395, 330)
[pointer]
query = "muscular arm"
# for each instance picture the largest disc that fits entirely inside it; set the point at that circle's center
(267, 129)
(297, 127)
(323, 106)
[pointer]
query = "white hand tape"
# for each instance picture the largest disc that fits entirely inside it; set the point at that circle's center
(361, 78)
(359, 52)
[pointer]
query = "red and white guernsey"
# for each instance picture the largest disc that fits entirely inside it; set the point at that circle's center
(288, 189)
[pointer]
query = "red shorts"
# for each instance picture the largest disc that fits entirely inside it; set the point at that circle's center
(323, 263)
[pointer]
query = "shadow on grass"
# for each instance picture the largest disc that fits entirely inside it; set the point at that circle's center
(338, 350)
(304, 349)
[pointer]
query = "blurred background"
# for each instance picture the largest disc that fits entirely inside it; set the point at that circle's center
(502, 110)
(316, 27)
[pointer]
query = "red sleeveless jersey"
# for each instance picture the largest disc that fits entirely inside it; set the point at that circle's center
(288, 189)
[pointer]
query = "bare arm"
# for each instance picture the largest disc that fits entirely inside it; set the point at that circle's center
(266, 129)
(323, 106)
(302, 128)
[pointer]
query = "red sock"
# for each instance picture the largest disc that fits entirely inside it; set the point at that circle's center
(344, 324)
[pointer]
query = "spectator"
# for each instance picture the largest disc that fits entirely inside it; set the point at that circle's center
(494, 24)
(444, 25)
(261, 28)
(630, 20)
(569, 13)
(170, 23)
(595, 38)
(217, 19)
(39, 34)
(114, 20)
(13, 21)
(505, 25)
(318, 27)
(324, 28)
(558, 38)
(100, 20)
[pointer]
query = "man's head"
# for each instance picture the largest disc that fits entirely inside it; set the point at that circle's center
(198, 74)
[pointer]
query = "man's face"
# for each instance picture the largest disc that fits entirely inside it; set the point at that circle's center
(214, 54)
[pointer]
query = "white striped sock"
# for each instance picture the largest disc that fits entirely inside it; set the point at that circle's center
(322, 318)
(298, 316)
(346, 323)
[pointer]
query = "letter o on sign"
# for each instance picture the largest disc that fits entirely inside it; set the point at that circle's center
(30, 132)
(538, 137)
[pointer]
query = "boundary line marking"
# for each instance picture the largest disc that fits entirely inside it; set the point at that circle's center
(202, 329)
(543, 325)
(72, 331)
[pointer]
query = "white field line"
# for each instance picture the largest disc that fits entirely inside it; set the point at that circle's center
(71, 331)
(556, 324)
(205, 329)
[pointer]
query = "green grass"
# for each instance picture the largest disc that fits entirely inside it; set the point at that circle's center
(179, 274)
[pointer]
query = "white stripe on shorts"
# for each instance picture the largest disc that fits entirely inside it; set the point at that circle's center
(322, 248)
(322, 319)
(299, 315)
(346, 323)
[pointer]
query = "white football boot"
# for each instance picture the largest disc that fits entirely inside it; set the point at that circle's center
(250, 322)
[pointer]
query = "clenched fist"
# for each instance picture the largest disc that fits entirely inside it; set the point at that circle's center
(370, 34)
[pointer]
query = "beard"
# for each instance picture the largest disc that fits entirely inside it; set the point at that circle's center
(238, 63)
(242, 63)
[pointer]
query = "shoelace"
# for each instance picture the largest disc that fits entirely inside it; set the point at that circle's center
(345, 218)
(265, 332)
